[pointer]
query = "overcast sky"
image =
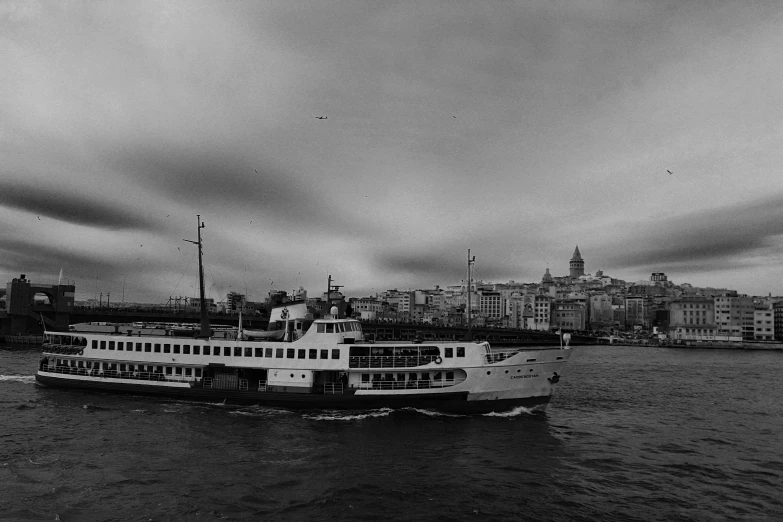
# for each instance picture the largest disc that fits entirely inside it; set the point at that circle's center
(516, 129)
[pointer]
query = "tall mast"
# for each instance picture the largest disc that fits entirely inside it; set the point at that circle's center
(205, 330)
(470, 281)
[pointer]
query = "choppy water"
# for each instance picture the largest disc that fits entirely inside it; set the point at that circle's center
(631, 434)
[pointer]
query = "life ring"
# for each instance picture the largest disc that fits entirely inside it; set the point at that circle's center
(81, 352)
(438, 360)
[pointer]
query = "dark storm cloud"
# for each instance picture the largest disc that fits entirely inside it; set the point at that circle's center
(37, 259)
(71, 208)
(204, 178)
(708, 239)
(447, 267)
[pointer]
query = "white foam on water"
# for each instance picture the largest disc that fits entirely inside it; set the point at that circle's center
(27, 379)
(516, 412)
(433, 413)
(343, 416)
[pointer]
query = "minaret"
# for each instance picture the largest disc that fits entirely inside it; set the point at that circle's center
(577, 265)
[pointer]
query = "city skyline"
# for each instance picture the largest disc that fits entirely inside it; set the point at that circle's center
(642, 132)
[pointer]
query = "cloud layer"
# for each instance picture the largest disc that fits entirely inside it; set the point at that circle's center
(514, 130)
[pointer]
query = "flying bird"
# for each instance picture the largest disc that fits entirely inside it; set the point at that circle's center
(322, 117)
(669, 171)
(256, 170)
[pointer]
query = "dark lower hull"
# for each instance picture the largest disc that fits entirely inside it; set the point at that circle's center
(445, 402)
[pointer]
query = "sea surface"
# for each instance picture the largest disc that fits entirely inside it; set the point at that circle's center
(632, 433)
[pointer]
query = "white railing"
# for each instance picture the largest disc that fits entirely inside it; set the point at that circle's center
(262, 386)
(113, 374)
(419, 384)
(499, 355)
(333, 388)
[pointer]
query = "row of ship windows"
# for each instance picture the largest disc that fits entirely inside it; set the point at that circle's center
(141, 368)
(215, 351)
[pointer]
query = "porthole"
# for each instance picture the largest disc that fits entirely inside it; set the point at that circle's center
(489, 373)
(303, 376)
(506, 371)
(292, 375)
(531, 369)
(519, 370)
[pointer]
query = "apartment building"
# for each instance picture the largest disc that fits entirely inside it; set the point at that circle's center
(763, 324)
(692, 318)
(735, 317)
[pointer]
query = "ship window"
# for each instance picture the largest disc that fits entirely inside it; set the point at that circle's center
(248, 351)
(449, 352)
(147, 347)
(188, 372)
(157, 347)
(335, 353)
(196, 350)
(178, 370)
(268, 352)
(168, 370)
(278, 352)
(176, 348)
(449, 376)
(206, 350)
(460, 351)
(237, 351)
(123, 368)
(198, 372)
(329, 328)
(259, 352)
(103, 345)
(313, 353)
(290, 353)
(324, 354)
(111, 345)
(321, 328)
(227, 351)
(138, 347)
(301, 354)
(186, 349)
(120, 345)
(365, 377)
(95, 344)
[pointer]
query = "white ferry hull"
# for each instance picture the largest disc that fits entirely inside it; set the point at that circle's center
(321, 370)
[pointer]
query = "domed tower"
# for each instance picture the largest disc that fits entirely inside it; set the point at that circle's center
(547, 279)
(577, 265)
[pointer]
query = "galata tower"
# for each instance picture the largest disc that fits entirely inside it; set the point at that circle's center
(577, 265)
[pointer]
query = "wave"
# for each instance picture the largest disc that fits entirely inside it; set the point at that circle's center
(433, 413)
(516, 412)
(345, 416)
(27, 379)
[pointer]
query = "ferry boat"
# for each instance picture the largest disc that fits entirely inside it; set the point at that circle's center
(322, 363)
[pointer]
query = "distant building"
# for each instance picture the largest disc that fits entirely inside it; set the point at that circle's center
(777, 317)
(601, 312)
(569, 315)
(763, 325)
(576, 265)
(692, 318)
(735, 317)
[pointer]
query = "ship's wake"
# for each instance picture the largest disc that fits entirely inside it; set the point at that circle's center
(349, 416)
(516, 412)
(26, 379)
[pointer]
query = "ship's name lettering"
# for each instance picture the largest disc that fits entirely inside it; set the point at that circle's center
(524, 376)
